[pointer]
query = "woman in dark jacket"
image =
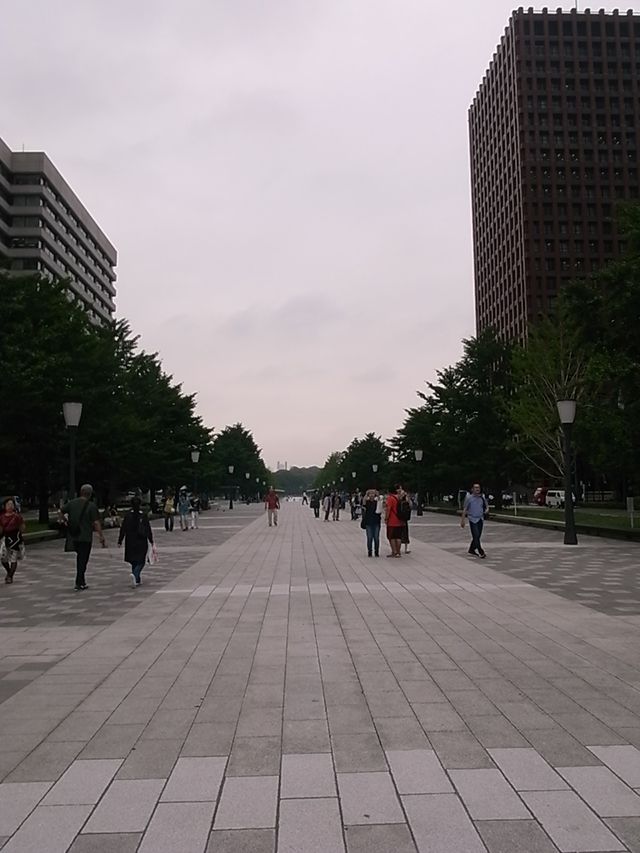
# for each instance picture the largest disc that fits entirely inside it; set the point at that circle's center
(370, 521)
(137, 534)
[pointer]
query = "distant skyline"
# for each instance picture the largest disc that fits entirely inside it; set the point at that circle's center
(287, 186)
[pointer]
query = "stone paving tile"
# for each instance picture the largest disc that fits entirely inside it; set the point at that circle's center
(527, 770)
(379, 839)
(83, 783)
(441, 825)
(515, 836)
(624, 760)
(570, 823)
(438, 717)
(107, 843)
(248, 803)
(310, 826)
(368, 798)
(178, 826)
(151, 759)
(401, 733)
(560, 749)
(209, 739)
(242, 841)
(48, 828)
(195, 780)
(495, 731)
(460, 751)
(112, 741)
(17, 800)
(418, 771)
(488, 796)
(357, 753)
(607, 795)
(300, 736)
(46, 763)
(255, 756)
(627, 829)
(307, 775)
(126, 806)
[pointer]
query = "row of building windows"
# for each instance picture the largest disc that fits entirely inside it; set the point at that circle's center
(615, 27)
(33, 200)
(38, 222)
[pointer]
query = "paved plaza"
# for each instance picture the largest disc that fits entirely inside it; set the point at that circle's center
(273, 689)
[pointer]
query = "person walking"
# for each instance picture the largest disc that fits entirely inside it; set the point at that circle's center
(272, 505)
(393, 522)
(184, 508)
(476, 509)
(169, 510)
(305, 499)
(195, 511)
(404, 514)
(12, 529)
(326, 505)
(371, 521)
(335, 506)
(83, 520)
(315, 504)
(137, 535)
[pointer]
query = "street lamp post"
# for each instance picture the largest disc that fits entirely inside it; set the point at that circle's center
(567, 413)
(374, 468)
(72, 413)
(195, 458)
(231, 486)
(418, 455)
(247, 477)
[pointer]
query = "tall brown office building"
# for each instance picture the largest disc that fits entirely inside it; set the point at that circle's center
(554, 133)
(45, 228)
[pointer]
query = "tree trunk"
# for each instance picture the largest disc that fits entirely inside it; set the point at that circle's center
(43, 495)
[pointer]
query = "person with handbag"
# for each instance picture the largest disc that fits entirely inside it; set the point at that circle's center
(371, 521)
(169, 510)
(12, 528)
(137, 535)
(82, 520)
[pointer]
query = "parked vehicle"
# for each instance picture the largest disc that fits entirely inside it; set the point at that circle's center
(555, 498)
(540, 496)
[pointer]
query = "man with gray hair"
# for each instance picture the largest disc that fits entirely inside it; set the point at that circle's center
(82, 519)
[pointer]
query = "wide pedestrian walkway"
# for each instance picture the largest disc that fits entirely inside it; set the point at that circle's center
(286, 693)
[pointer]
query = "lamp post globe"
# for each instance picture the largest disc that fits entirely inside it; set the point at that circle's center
(567, 415)
(418, 454)
(72, 413)
(231, 486)
(195, 458)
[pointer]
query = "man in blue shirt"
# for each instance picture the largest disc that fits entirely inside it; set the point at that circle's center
(475, 508)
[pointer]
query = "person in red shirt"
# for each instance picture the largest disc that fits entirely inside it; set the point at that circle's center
(393, 522)
(12, 527)
(272, 505)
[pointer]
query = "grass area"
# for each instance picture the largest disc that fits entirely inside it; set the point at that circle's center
(612, 518)
(35, 526)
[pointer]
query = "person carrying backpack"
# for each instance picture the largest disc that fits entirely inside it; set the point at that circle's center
(137, 535)
(404, 514)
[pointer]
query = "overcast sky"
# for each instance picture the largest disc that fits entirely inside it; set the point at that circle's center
(287, 185)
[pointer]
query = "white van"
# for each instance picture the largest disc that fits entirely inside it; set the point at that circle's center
(555, 498)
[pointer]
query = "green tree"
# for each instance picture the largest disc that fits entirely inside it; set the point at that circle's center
(236, 446)
(360, 456)
(330, 471)
(463, 424)
(50, 354)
